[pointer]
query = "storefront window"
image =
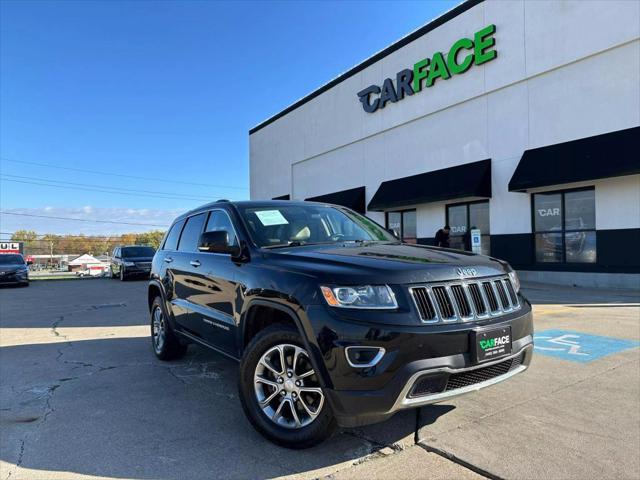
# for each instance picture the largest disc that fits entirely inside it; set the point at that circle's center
(564, 224)
(464, 217)
(404, 222)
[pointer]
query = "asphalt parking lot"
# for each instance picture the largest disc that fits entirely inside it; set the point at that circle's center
(82, 396)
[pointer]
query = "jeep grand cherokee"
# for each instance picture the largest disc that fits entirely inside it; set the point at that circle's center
(334, 321)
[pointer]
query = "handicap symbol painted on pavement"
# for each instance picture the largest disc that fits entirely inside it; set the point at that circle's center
(578, 346)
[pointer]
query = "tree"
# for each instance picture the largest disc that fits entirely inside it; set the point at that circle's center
(152, 238)
(28, 237)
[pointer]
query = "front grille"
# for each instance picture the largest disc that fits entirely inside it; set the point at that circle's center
(431, 384)
(423, 302)
(444, 303)
(143, 264)
(476, 296)
(465, 300)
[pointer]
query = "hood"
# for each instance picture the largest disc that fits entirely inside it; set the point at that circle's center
(383, 263)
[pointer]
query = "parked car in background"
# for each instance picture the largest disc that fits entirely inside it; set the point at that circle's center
(334, 320)
(13, 270)
(131, 261)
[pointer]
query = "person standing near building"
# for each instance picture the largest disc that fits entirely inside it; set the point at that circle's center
(442, 237)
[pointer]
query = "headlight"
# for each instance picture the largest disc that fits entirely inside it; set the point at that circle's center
(367, 296)
(515, 281)
(128, 264)
(23, 270)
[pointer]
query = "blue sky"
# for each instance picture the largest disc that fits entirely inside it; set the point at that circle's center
(160, 90)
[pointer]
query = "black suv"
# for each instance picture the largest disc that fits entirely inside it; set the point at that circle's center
(333, 320)
(131, 261)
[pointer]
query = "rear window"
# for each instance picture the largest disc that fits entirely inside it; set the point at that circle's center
(171, 243)
(191, 233)
(130, 252)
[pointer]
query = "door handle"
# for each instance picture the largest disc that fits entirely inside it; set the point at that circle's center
(195, 263)
(168, 259)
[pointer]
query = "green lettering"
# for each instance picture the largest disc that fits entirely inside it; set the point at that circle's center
(452, 59)
(420, 72)
(483, 41)
(438, 69)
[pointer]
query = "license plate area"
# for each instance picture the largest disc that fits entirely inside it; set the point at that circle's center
(491, 343)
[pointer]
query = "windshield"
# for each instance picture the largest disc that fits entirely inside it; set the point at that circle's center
(11, 259)
(129, 252)
(307, 224)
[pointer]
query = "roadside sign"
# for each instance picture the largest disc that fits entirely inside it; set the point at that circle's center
(476, 241)
(10, 247)
(578, 346)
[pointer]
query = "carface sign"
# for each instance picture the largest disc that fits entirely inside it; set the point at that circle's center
(461, 56)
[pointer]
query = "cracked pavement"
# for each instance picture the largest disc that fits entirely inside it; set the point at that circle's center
(82, 396)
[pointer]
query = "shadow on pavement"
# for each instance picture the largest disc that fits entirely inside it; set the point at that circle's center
(110, 408)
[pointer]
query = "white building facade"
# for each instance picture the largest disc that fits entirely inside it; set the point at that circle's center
(520, 119)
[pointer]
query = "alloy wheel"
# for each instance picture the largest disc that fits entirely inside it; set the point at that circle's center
(287, 388)
(158, 330)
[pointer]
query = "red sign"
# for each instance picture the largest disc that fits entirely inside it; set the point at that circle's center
(10, 247)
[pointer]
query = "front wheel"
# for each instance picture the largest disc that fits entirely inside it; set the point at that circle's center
(123, 276)
(280, 390)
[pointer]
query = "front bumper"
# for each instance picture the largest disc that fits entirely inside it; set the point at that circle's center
(443, 352)
(14, 278)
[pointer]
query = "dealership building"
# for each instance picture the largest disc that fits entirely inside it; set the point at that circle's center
(517, 119)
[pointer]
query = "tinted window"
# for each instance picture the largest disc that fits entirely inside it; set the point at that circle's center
(10, 259)
(565, 226)
(171, 243)
(219, 220)
(131, 252)
(580, 210)
(548, 212)
(191, 233)
(458, 220)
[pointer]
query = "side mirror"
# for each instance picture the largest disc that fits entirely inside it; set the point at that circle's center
(393, 232)
(217, 242)
(29, 262)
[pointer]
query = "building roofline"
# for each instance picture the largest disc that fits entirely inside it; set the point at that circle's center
(432, 25)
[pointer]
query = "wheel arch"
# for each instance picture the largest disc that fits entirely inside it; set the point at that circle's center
(249, 330)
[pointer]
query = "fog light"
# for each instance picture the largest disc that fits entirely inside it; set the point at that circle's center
(364, 357)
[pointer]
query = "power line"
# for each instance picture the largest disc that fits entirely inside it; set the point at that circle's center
(2, 212)
(166, 197)
(102, 187)
(62, 236)
(121, 175)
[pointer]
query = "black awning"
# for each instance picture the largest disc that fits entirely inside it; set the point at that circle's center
(468, 180)
(282, 197)
(354, 198)
(608, 155)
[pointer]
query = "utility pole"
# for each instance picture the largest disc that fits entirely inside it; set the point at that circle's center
(51, 253)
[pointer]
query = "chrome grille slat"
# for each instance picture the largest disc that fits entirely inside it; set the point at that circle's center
(478, 301)
(443, 302)
(465, 300)
(502, 294)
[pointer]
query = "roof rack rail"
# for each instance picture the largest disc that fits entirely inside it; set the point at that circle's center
(222, 200)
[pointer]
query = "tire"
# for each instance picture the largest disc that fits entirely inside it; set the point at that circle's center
(165, 343)
(123, 276)
(111, 274)
(294, 427)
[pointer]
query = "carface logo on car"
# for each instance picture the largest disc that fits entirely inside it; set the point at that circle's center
(428, 70)
(467, 272)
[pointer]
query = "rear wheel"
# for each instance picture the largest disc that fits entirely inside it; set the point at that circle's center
(166, 344)
(280, 390)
